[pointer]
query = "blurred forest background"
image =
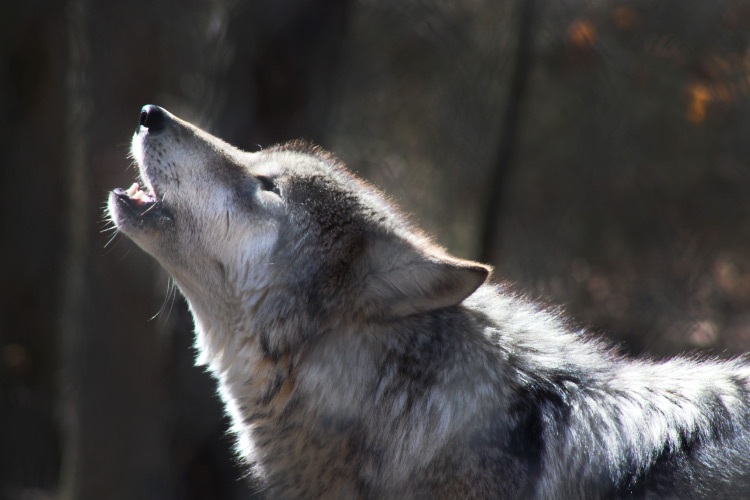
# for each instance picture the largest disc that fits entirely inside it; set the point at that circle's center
(595, 152)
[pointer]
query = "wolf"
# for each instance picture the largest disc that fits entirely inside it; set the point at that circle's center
(358, 360)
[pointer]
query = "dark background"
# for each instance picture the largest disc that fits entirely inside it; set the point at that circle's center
(596, 153)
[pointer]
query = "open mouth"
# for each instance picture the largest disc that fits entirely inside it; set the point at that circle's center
(138, 209)
(136, 199)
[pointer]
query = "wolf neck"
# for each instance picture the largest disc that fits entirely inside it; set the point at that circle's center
(252, 384)
(221, 334)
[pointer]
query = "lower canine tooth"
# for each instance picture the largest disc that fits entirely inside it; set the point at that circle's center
(140, 196)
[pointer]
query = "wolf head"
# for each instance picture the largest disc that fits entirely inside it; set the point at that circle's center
(284, 236)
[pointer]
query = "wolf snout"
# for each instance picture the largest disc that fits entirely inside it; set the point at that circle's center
(153, 118)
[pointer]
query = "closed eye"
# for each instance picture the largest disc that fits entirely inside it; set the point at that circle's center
(267, 184)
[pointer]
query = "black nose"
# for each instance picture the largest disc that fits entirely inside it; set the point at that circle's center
(152, 117)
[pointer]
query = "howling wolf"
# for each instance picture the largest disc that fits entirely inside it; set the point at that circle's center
(358, 360)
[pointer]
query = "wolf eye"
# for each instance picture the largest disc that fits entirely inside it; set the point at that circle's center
(267, 184)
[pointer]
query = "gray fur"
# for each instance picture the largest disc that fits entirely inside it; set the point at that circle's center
(359, 360)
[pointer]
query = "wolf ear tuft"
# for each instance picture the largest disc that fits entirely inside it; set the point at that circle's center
(405, 279)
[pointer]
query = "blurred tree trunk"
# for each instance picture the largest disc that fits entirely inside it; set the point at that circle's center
(75, 288)
(494, 205)
(112, 388)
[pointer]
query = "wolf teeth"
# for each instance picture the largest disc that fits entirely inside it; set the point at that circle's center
(132, 189)
(141, 197)
(136, 194)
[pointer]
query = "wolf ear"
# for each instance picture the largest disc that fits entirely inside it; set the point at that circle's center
(405, 279)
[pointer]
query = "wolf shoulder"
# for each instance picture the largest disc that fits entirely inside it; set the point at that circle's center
(500, 398)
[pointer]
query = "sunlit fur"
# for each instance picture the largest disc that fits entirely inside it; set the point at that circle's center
(358, 360)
